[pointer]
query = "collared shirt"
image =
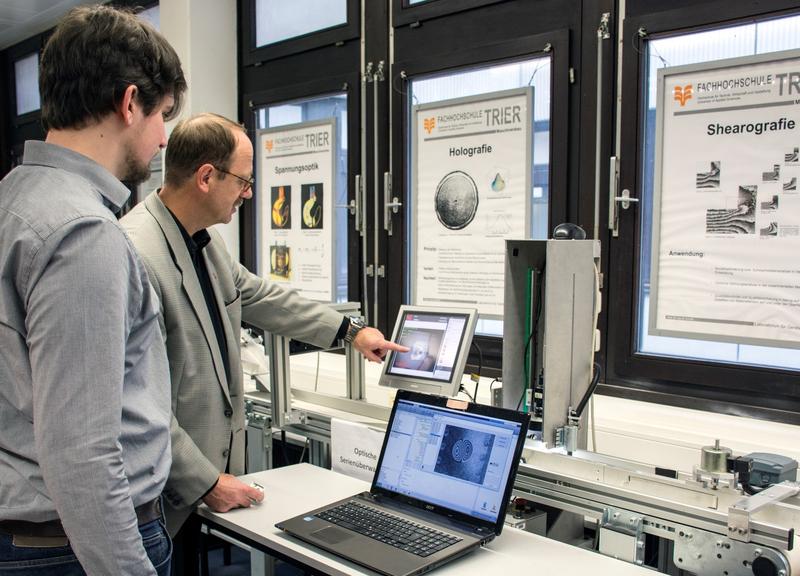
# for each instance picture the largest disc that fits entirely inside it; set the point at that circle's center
(195, 244)
(84, 380)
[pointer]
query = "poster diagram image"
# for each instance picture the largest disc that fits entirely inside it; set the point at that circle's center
(281, 198)
(456, 200)
(708, 178)
(464, 454)
(424, 350)
(311, 200)
(773, 175)
(498, 179)
(771, 230)
(280, 267)
(791, 185)
(739, 220)
(792, 156)
(771, 204)
(499, 224)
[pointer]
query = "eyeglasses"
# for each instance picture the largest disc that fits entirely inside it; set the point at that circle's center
(247, 183)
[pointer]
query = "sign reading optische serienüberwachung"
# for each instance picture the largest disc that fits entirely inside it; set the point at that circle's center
(471, 166)
(726, 218)
(295, 197)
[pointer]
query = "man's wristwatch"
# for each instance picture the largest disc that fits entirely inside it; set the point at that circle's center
(356, 326)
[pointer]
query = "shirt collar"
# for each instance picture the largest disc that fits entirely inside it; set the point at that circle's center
(114, 192)
(197, 241)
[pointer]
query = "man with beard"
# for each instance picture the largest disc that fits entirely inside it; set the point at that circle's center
(84, 380)
(204, 297)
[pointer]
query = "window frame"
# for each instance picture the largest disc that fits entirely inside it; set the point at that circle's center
(250, 54)
(404, 13)
(286, 94)
(696, 384)
(517, 49)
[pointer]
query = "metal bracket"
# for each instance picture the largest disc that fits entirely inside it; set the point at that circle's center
(622, 535)
(379, 77)
(381, 271)
(355, 206)
(391, 204)
(603, 32)
(370, 271)
(739, 514)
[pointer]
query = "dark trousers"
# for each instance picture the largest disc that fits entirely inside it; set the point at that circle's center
(186, 548)
(61, 561)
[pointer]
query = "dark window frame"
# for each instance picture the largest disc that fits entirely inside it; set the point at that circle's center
(287, 94)
(254, 55)
(404, 13)
(696, 384)
(517, 49)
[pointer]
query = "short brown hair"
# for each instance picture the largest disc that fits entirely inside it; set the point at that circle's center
(95, 53)
(202, 139)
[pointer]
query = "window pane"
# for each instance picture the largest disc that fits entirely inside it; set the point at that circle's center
(736, 41)
(321, 108)
(278, 20)
(151, 15)
(534, 72)
(26, 76)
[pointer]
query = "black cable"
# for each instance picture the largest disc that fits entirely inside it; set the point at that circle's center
(464, 390)
(480, 367)
(533, 337)
(590, 390)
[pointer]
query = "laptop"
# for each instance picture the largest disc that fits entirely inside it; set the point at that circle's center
(440, 490)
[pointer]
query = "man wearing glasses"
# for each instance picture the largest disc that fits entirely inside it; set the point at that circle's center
(204, 297)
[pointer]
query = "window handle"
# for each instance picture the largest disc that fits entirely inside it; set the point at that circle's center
(391, 204)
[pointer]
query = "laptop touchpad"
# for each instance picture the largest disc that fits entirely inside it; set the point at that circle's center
(332, 535)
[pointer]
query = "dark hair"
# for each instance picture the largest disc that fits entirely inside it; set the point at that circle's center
(94, 54)
(202, 139)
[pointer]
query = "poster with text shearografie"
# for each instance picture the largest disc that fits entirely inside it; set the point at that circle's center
(726, 224)
(471, 165)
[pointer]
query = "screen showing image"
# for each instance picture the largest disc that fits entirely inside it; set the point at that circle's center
(461, 461)
(434, 339)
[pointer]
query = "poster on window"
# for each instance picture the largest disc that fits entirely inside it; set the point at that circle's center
(295, 175)
(470, 191)
(726, 217)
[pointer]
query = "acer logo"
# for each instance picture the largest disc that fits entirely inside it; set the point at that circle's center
(682, 94)
(428, 507)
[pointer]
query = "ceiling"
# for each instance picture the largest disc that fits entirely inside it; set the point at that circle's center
(21, 19)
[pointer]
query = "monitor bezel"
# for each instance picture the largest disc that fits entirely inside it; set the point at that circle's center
(430, 385)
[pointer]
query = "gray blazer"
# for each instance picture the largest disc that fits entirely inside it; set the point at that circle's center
(207, 426)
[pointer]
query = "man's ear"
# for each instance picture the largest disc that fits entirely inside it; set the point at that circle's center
(128, 105)
(202, 177)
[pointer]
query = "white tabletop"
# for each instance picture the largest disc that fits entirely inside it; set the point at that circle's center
(295, 489)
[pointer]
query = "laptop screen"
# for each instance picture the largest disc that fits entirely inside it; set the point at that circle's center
(450, 458)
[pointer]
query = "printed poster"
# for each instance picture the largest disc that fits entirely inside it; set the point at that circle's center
(726, 234)
(472, 164)
(295, 196)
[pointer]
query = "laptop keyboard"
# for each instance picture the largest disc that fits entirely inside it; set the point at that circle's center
(389, 529)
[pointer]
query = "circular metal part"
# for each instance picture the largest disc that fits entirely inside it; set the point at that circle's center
(456, 200)
(714, 458)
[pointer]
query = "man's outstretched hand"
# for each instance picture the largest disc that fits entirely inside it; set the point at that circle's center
(373, 346)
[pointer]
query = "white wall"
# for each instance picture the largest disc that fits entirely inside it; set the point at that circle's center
(203, 33)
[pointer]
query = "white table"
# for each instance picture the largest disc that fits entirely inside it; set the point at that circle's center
(296, 489)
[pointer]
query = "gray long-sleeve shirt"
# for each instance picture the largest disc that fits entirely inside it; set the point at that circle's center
(84, 380)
